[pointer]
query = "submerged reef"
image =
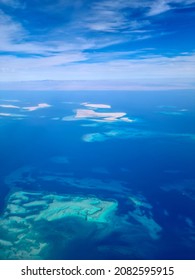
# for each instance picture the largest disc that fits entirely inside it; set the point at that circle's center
(34, 221)
(28, 213)
(185, 188)
(130, 133)
(142, 214)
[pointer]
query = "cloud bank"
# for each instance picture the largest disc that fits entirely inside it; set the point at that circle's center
(144, 41)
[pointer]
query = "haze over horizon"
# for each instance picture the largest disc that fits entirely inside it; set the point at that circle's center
(124, 44)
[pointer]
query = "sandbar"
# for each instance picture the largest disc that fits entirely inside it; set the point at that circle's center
(39, 106)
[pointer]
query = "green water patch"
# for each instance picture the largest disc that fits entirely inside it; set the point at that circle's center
(27, 214)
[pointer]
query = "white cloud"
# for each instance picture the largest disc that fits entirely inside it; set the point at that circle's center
(107, 16)
(154, 69)
(184, 2)
(65, 58)
(10, 30)
(110, 16)
(12, 3)
(15, 64)
(159, 7)
(15, 39)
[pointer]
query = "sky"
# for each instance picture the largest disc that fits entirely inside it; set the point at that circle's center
(99, 44)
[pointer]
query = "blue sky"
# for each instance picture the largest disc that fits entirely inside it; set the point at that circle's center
(124, 44)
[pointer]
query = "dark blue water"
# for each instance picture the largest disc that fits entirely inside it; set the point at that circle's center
(147, 165)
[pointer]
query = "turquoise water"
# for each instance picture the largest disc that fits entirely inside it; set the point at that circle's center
(97, 175)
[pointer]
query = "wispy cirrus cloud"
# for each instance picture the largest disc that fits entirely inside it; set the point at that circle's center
(16, 39)
(109, 16)
(161, 6)
(11, 3)
(102, 16)
(10, 29)
(153, 69)
(92, 40)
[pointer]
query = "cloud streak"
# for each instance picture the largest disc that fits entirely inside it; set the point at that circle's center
(151, 67)
(100, 40)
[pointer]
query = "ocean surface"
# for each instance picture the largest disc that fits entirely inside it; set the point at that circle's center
(97, 175)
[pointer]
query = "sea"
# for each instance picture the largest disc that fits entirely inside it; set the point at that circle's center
(97, 175)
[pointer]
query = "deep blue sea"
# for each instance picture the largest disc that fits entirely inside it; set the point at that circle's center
(97, 175)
